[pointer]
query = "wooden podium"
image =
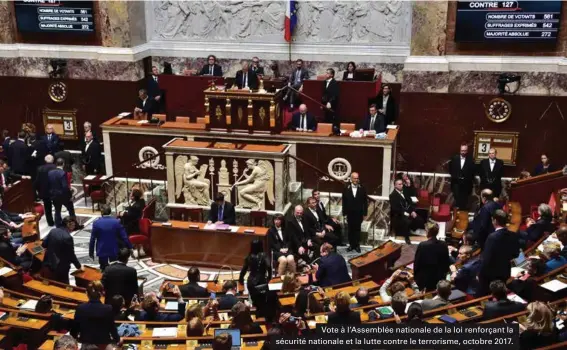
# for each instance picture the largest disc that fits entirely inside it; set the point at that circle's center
(243, 110)
(377, 262)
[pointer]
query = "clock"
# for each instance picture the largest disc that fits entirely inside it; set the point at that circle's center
(57, 91)
(498, 110)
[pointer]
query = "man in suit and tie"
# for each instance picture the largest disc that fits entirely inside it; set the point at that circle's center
(490, 172)
(245, 78)
(120, 279)
(301, 242)
(8, 176)
(92, 155)
(19, 155)
(144, 106)
(211, 68)
(256, 66)
(386, 104)
(302, 120)
(87, 127)
(296, 79)
(500, 248)
(41, 186)
(50, 140)
(482, 222)
(193, 289)
(316, 225)
(464, 278)
(222, 212)
(59, 191)
(154, 91)
(60, 250)
(402, 212)
(500, 306)
(355, 209)
(332, 268)
(229, 299)
(374, 121)
(431, 262)
(330, 97)
(331, 223)
(462, 170)
(441, 299)
(109, 236)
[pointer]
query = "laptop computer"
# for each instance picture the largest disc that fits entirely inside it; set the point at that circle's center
(521, 261)
(235, 334)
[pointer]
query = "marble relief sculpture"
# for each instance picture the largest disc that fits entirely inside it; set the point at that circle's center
(191, 181)
(252, 190)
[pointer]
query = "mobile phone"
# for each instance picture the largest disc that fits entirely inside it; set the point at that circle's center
(213, 295)
(293, 319)
(170, 286)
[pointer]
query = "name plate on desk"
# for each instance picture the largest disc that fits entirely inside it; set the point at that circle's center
(193, 226)
(167, 224)
(249, 230)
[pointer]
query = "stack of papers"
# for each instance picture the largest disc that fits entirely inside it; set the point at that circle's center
(124, 114)
(165, 332)
(516, 271)
(554, 285)
(29, 305)
(5, 270)
(142, 122)
(516, 298)
(90, 177)
(171, 306)
(275, 286)
(203, 284)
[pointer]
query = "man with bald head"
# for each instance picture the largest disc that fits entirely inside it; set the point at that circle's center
(41, 186)
(355, 209)
(302, 120)
(91, 155)
(303, 247)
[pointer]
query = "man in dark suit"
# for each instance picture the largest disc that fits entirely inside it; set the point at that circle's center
(296, 79)
(120, 279)
(60, 250)
(131, 217)
(67, 158)
(441, 299)
(87, 127)
(296, 229)
(432, 261)
(386, 104)
(330, 97)
(332, 268)
(212, 68)
(500, 248)
(19, 155)
(355, 209)
(490, 172)
(229, 299)
(150, 308)
(501, 306)
(256, 66)
(330, 223)
(222, 212)
(374, 121)
(9, 253)
(193, 289)
(109, 236)
(50, 140)
(144, 106)
(59, 191)
(154, 91)
(8, 176)
(536, 229)
(462, 170)
(464, 278)
(41, 186)
(482, 222)
(302, 120)
(316, 225)
(402, 212)
(91, 155)
(246, 78)
(362, 298)
(38, 152)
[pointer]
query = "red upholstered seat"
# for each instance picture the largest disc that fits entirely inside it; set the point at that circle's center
(443, 215)
(142, 238)
(98, 196)
(39, 209)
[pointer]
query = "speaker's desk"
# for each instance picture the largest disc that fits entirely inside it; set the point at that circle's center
(190, 243)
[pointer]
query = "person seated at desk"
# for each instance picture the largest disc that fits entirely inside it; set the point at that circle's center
(398, 282)
(441, 299)
(13, 222)
(9, 253)
(539, 330)
(399, 303)
(482, 222)
(302, 120)
(56, 321)
(500, 305)
(144, 106)
(131, 217)
(402, 211)
(212, 68)
(121, 313)
(222, 212)
(552, 250)
(343, 314)
(195, 328)
(245, 78)
(386, 104)
(431, 262)
(348, 75)
(332, 268)
(8, 177)
(151, 306)
(280, 246)
(525, 284)
(464, 278)
(256, 68)
(362, 298)
(374, 121)
(242, 320)
(193, 289)
(227, 301)
(536, 229)
(544, 167)
(222, 341)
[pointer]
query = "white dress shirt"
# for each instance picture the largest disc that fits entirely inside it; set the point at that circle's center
(385, 101)
(492, 162)
(244, 79)
(328, 82)
(314, 212)
(87, 146)
(354, 189)
(300, 224)
(280, 234)
(462, 162)
(350, 76)
(144, 102)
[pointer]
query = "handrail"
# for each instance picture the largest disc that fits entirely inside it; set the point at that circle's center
(313, 167)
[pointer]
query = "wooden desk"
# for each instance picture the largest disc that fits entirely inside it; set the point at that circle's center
(376, 262)
(19, 197)
(57, 292)
(350, 290)
(211, 286)
(31, 323)
(83, 278)
(179, 243)
(181, 125)
(536, 189)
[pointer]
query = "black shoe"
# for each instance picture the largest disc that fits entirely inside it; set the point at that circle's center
(408, 240)
(349, 249)
(357, 249)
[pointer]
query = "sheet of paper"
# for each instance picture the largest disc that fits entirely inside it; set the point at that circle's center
(234, 228)
(391, 127)
(90, 177)
(210, 227)
(414, 199)
(171, 306)
(275, 286)
(516, 271)
(103, 178)
(5, 270)
(165, 332)
(29, 305)
(142, 122)
(203, 284)
(124, 114)
(554, 285)
(516, 298)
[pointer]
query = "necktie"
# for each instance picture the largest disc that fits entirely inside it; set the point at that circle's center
(210, 70)
(220, 214)
(372, 122)
(303, 122)
(49, 137)
(155, 78)
(245, 80)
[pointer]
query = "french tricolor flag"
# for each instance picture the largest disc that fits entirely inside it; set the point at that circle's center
(290, 19)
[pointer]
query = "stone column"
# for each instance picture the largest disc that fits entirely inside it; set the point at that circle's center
(428, 29)
(386, 170)
(170, 177)
(107, 153)
(121, 23)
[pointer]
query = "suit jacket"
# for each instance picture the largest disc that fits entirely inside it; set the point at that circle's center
(499, 308)
(301, 74)
(60, 250)
(462, 176)
(217, 70)
(482, 222)
(296, 122)
(331, 94)
(345, 76)
(465, 280)
(92, 157)
(120, 279)
(430, 304)
(228, 213)
(355, 206)
(19, 156)
(59, 185)
(297, 236)
(94, 324)
(350, 317)
(148, 107)
(276, 243)
(431, 263)
(400, 205)
(227, 301)
(500, 248)
(10, 217)
(490, 178)
(10, 177)
(257, 70)
(252, 79)
(163, 316)
(193, 290)
(314, 224)
(379, 123)
(52, 145)
(537, 229)
(67, 157)
(41, 183)
(40, 150)
(332, 270)
(391, 111)
(8, 253)
(106, 233)
(322, 211)
(132, 215)
(153, 87)
(539, 170)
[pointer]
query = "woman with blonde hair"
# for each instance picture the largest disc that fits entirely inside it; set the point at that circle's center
(290, 283)
(343, 314)
(538, 331)
(194, 311)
